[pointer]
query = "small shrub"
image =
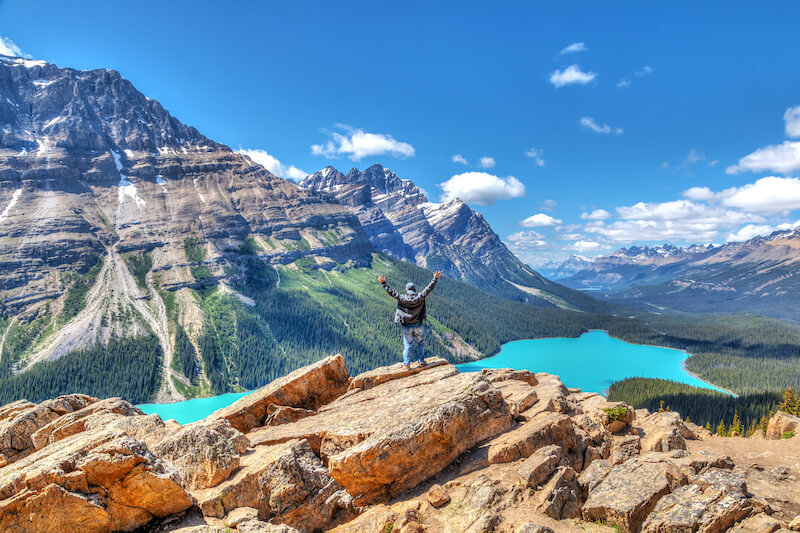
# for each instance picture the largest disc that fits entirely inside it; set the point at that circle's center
(787, 435)
(616, 413)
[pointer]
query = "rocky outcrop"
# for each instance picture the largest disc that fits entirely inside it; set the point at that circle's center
(20, 421)
(307, 388)
(782, 423)
(426, 449)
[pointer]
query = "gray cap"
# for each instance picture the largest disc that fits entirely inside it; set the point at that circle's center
(410, 287)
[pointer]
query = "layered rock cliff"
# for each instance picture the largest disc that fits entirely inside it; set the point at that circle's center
(393, 449)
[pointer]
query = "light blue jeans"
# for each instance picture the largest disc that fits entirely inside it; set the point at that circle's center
(411, 335)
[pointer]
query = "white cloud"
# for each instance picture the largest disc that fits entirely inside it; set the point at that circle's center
(574, 48)
(597, 214)
(624, 83)
(713, 163)
(694, 156)
(699, 193)
(675, 221)
(571, 75)
(748, 232)
(536, 155)
(487, 162)
(549, 205)
(458, 158)
(586, 246)
(645, 71)
(783, 158)
(590, 124)
(792, 118)
(540, 220)
(272, 164)
(358, 144)
(529, 239)
(481, 188)
(10, 48)
(770, 194)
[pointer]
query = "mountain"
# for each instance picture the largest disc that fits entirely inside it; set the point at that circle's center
(572, 265)
(140, 258)
(401, 222)
(759, 275)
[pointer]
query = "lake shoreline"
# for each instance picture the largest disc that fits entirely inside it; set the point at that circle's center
(686, 369)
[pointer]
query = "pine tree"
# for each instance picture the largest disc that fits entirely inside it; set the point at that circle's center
(661, 407)
(721, 429)
(688, 420)
(762, 425)
(736, 427)
(788, 405)
(708, 426)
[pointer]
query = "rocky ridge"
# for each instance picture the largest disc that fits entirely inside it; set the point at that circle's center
(426, 449)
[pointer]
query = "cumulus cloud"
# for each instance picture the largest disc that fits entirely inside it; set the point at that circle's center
(792, 118)
(540, 220)
(783, 158)
(694, 156)
(597, 214)
(574, 48)
(458, 158)
(549, 205)
(357, 144)
(570, 76)
(481, 188)
(644, 71)
(624, 83)
(770, 194)
(749, 231)
(584, 246)
(529, 239)
(589, 123)
(272, 164)
(676, 221)
(487, 162)
(699, 193)
(10, 48)
(536, 155)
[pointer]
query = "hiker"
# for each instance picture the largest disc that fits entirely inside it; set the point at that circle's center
(411, 314)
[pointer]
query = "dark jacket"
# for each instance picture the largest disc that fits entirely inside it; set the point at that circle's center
(410, 307)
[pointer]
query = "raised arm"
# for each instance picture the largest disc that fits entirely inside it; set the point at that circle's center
(431, 285)
(388, 289)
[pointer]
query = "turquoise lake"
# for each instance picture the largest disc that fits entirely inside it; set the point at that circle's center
(591, 362)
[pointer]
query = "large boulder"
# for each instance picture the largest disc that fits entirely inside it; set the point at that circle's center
(21, 419)
(382, 440)
(308, 388)
(781, 423)
(376, 376)
(561, 495)
(542, 430)
(629, 492)
(535, 470)
(663, 431)
(286, 482)
(205, 453)
(95, 414)
(101, 480)
(713, 508)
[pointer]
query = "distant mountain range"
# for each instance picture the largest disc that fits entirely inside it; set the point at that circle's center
(760, 275)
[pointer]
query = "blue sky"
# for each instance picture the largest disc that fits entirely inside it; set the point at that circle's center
(675, 122)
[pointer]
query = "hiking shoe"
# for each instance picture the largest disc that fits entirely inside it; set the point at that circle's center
(406, 367)
(422, 364)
